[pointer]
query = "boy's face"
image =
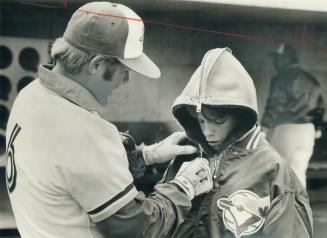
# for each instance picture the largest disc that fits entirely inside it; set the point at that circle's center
(215, 127)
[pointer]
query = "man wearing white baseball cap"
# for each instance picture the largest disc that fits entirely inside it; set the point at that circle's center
(68, 173)
(113, 31)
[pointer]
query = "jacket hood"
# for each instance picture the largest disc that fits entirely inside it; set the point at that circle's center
(220, 81)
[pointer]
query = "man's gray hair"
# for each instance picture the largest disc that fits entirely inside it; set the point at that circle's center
(70, 57)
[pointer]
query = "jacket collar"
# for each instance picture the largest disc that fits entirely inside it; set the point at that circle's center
(249, 140)
(68, 89)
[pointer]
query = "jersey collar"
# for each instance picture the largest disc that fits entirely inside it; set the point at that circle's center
(68, 89)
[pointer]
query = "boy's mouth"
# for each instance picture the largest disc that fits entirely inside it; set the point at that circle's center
(211, 143)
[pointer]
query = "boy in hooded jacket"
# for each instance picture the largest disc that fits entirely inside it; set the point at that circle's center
(255, 193)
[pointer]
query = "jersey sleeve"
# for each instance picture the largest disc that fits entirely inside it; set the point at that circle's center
(97, 174)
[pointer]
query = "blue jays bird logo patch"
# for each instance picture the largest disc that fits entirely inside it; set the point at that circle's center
(244, 212)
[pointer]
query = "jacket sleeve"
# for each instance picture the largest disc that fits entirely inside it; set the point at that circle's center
(155, 216)
(289, 216)
(306, 95)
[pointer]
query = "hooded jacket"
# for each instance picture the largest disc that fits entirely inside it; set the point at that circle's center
(255, 194)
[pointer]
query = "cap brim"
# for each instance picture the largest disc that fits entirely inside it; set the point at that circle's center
(142, 65)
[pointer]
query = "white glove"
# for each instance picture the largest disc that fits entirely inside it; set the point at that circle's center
(194, 177)
(167, 149)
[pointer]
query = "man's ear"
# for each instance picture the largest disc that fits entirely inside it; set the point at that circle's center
(96, 64)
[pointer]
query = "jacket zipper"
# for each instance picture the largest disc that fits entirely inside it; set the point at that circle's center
(218, 163)
(203, 80)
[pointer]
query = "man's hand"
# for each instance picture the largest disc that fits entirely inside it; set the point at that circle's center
(194, 177)
(167, 149)
(136, 162)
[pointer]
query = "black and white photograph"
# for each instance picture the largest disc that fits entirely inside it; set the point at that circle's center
(163, 119)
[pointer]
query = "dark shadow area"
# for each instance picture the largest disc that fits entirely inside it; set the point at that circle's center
(5, 87)
(5, 57)
(9, 233)
(29, 59)
(2, 144)
(23, 82)
(4, 115)
(147, 133)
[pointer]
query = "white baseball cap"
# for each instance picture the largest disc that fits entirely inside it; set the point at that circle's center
(112, 30)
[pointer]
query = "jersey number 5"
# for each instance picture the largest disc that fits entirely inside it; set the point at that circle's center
(11, 172)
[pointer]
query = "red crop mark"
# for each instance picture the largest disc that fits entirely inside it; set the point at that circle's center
(248, 37)
(109, 15)
(302, 44)
(198, 29)
(235, 35)
(39, 4)
(62, 3)
(307, 46)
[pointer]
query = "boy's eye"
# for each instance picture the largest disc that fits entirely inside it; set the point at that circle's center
(217, 121)
(220, 120)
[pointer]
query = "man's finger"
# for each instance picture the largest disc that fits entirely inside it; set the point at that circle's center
(178, 137)
(202, 174)
(203, 160)
(183, 150)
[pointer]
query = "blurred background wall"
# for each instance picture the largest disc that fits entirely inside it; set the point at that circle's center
(177, 35)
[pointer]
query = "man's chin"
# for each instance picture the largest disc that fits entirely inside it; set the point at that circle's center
(103, 102)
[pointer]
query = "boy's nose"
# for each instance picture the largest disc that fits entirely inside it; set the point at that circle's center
(208, 132)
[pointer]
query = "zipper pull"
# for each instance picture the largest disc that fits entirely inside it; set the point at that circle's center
(198, 107)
